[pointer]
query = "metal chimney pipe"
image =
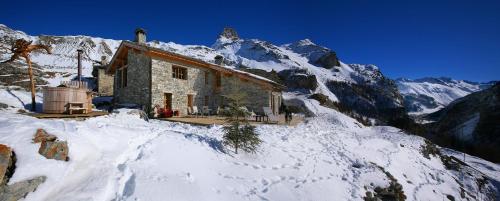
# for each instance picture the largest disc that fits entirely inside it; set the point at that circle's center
(79, 64)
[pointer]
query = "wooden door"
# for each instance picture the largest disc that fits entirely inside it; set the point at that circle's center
(167, 100)
(190, 101)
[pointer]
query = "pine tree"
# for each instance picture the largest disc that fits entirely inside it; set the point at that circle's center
(239, 134)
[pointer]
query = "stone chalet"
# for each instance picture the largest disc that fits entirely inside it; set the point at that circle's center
(150, 76)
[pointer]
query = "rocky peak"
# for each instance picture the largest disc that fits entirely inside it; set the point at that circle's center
(229, 33)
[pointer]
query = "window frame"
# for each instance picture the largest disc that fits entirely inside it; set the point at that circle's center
(179, 72)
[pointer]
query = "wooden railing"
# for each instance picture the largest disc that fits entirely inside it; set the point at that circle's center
(75, 84)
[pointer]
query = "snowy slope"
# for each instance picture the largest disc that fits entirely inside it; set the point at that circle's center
(428, 95)
(329, 157)
(63, 59)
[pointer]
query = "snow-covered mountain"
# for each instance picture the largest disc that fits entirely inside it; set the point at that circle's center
(427, 95)
(62, 63)
(472, 120)
(363, 88)
(328, 157)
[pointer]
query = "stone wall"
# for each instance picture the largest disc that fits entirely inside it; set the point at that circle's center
(163, 82)
(150, 79)
(257, 95)
(138, 89)
(104, 83)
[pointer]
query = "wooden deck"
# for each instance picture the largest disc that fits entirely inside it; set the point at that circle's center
(69, 116)
(217, 120)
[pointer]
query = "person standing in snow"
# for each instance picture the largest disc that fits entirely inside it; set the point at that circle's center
(288, 114)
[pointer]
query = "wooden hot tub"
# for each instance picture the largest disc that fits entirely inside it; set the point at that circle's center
(56, 99)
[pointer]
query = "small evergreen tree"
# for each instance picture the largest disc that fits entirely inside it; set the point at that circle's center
(239, 134)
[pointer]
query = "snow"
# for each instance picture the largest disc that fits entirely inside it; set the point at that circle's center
(122, 157)
(442, 90)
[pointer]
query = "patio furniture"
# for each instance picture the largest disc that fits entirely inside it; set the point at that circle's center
(195, 111)
(206, 111)
(271, 117)
(260, 118)
(76, 107)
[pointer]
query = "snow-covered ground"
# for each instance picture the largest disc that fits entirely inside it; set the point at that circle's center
(122, 157)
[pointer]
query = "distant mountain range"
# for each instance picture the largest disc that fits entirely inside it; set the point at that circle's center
(472, 122)
(427, 95)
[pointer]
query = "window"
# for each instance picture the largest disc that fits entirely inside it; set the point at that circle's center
(206, 78)
(179, 72)
(122, 77)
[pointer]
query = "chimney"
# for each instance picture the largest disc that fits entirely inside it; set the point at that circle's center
(140, 36)
(104, 61)
(79, 64)
(219, 60)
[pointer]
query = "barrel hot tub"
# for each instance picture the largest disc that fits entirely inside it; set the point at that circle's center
(56, 99)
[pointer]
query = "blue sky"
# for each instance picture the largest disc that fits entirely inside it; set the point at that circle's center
(413, 39)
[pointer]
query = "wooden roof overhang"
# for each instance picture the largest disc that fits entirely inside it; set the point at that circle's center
(125, 46)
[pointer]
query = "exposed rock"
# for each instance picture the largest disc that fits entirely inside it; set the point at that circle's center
(229, 33)
(20, 189)
(3, 106)
(57, 150)
(16, 74)
(298, 79)
(42, 135)
(7, 163)
(394, 192)
(328, 60)
(317, 55)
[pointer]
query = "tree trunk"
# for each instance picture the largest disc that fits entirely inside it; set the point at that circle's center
(32, 82)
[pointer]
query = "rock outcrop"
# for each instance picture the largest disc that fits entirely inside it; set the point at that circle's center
(42, 135)
(7, 164)
(20, 189)
(17, 190)
(328, 60)
(229, 33)
(298, 79)
(57, 150)
(50, 147)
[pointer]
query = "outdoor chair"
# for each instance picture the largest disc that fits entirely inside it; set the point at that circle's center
(190, 111)
(206, 111)
(269, 113)
(195, 111)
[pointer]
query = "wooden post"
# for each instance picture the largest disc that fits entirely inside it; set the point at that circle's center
(30, 72)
